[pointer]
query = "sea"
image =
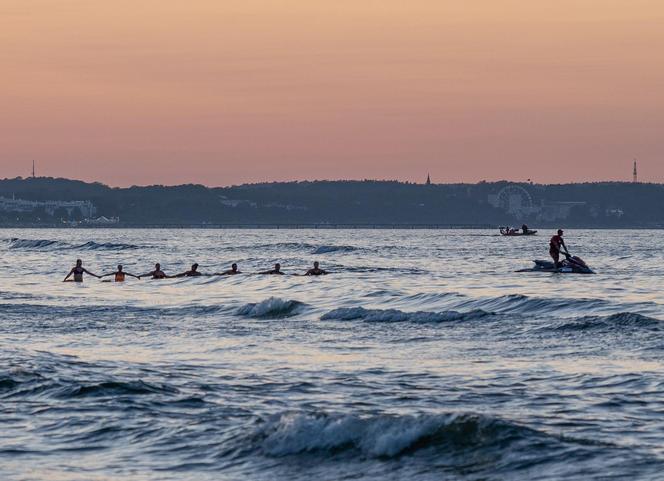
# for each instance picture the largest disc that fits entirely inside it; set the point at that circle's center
(422, 355)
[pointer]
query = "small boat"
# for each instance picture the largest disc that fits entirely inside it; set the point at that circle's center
(506, 231)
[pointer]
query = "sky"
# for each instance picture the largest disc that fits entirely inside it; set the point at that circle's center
(222, 92)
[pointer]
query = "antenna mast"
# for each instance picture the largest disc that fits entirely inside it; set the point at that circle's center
(635, 177)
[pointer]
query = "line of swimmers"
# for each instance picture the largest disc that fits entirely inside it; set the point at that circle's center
(119, 275)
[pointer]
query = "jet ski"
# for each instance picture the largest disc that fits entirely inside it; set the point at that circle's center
(571, 265)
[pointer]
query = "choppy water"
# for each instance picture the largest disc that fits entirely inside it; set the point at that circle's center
(424, 356)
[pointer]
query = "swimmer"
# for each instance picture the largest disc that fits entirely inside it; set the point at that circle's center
(193, 272)
(78, 272)
(316, 271)
(231, 272)
(275, 271)
(120, 274)
(157, 273)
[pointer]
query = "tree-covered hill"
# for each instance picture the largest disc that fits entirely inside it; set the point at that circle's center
(353, 202)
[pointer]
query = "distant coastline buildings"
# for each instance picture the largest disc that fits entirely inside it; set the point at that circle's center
(84, 208)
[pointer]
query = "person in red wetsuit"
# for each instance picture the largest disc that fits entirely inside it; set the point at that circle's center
(555, 247)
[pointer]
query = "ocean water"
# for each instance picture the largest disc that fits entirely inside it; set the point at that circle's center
(422, 356)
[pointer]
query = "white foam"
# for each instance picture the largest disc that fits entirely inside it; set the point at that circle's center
(378, 436)
(272, 307)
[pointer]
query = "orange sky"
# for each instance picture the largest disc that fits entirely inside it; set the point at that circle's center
(229, 91)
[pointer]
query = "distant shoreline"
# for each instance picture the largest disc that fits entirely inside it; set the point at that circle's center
(45, 202)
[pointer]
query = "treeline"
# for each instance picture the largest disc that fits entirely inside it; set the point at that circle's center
(344, 202)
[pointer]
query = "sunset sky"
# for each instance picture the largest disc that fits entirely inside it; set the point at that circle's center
(223, 92)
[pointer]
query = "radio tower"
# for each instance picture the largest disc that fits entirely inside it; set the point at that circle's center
(635, 177)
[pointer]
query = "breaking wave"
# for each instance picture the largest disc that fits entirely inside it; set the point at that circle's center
(389, 436)
(272, 308)
(395, 315)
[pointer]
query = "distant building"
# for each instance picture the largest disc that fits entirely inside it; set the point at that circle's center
(85, 207)
(552, 211)
(428, 182)
(103, 221)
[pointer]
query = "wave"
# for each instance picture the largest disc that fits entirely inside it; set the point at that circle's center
(390, 436)
(36, 244)
(117, 388)
(25, 384)
(300, 246)
(108, 246)
(326, 249)
(272, 308)
(30, 317)
(618, 321)
(49, 244)
(395, 315)
(522, 304)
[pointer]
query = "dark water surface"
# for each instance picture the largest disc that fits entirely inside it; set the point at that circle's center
(424, 356)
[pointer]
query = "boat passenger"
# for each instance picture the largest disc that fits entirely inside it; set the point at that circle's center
(524, 229)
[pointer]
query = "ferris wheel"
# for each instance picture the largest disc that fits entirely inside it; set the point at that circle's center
(515, 200)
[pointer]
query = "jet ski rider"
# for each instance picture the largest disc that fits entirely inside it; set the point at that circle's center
(555, 247)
